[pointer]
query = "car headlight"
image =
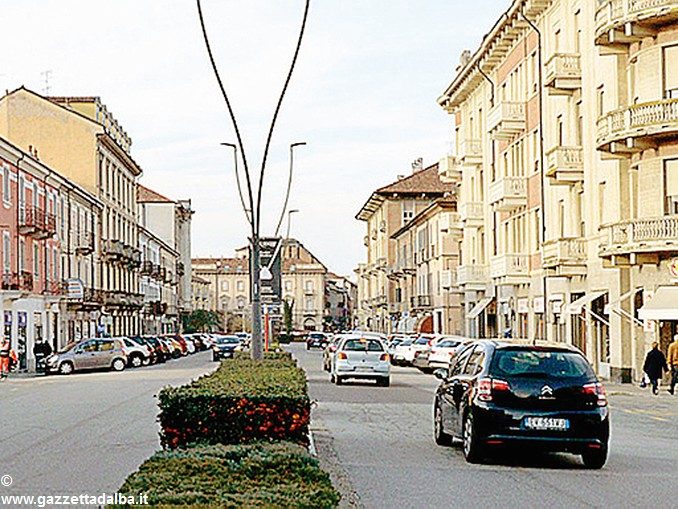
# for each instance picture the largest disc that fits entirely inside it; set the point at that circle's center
(51, 360)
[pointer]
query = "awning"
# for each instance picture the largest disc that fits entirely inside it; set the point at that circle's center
(623, 297)
(479, 308)
(662, 306)
(574, 308)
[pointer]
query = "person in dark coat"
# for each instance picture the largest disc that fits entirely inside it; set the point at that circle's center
(654, 367)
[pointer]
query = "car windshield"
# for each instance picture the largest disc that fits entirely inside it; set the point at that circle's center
(363, 345)
(406, 342)
(448, 343)
(316, 336)
(539, 364)
(228, 340)
(422, 340)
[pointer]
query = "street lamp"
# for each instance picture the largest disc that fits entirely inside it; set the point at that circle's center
(289, 221)
(216, 285)
(248, 212)
(289, 184)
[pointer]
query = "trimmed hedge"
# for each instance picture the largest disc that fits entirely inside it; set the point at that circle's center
(242, 401)
(254, 475)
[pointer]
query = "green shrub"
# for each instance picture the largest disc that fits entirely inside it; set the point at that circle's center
(242, 401)
(254, 475)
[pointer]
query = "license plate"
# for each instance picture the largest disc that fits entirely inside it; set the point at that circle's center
(363, 368)
(546, 423)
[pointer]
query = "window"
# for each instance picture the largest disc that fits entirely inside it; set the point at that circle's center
(601, 101)
(6, 252)
(579, 127)
(560, 133)
(22, 252)
(241, 286)
(6, 191)
(224, 286)
(288, 286)
(561, 219)
(309, 304)
(309, 285)
(601, 202)
(458, 367)
(670, 72)
(671, 186)
(475, 363)
(408, 211)
(36, 260)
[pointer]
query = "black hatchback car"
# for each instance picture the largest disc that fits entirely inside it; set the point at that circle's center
(541, 397)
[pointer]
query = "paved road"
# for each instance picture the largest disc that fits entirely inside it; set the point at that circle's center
(382, 440)
(83, 433)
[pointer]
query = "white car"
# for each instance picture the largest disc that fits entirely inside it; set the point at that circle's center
(444, 350)
(402, 351)
(137, 354)
(361, 358)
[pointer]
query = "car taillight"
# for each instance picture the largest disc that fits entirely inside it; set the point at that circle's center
(430, 342)
(333, 348)
(487, 387)
(596, 389)
(384, 357)
(342, 356)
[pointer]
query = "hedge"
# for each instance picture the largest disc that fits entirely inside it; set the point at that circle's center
(255, 475)
(242, 401)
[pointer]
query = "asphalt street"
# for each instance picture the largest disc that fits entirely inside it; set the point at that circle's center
(379, 444)
(83, 433)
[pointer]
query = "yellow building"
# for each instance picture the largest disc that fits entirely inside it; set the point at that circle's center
(81, 139)
(389, 209)
(565, 133)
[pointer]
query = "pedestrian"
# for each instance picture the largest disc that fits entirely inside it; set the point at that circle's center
(5, 348)
(655, 365)
(673, 363)
(41, 350)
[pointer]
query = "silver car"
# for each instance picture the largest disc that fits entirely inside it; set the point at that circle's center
(361, 358)
(94, 353)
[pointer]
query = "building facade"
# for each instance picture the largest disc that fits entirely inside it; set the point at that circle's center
(565, 136)
(387, 210)
(79, 138)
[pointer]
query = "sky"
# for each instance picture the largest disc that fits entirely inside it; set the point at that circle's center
(363, 98)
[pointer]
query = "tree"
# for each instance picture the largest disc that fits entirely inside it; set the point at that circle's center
(287, 316)
(202, 320)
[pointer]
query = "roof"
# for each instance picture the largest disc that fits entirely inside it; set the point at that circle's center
(442, 204)
(231, 263)
(146, 195)
(426, 181)
(73, 99)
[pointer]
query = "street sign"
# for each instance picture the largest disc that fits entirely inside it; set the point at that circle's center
(270, 258)
(74, 289)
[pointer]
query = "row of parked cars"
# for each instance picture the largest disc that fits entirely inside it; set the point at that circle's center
(118, 353)
(493, 394)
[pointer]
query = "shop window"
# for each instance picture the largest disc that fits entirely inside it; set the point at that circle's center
(671, 186)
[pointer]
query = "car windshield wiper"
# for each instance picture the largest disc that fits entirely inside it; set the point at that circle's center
(532, 374)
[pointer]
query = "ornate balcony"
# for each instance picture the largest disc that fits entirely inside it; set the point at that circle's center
(19, 281)
(472, 277)
(84, 243)
(565, 257)
(113, 250)
(508, 193)
(37, 223)
(471, 214)
(471, 152)
(637, 127)
(565, 165)
(510, 268)
(562, 75)
(506, 120)
(420, 302)
(146, 268)
(449, 170)
(622, 22)
(639, 241)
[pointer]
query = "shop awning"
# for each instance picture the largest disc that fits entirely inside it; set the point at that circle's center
(662, 306)
(574, 308)
(479, 308)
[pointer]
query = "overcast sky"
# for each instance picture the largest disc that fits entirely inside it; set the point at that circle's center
(363, 97)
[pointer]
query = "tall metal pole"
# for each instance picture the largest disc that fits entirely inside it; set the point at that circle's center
(289, 185)
(257, 349)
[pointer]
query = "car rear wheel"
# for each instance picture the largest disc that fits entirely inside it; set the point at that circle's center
(439, 434)
(118, 365)
(338, 380)
(384, 382)
(66, 368)
(308, 347)
(595, 458)
(471, 445)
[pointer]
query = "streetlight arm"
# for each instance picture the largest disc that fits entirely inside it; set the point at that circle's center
(248, 212)
(289, 186)
(275, 115)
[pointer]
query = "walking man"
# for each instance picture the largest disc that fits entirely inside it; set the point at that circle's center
(673, 363)
(5, 348)
(655, 365)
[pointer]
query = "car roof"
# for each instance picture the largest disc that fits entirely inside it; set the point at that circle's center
(509, 343)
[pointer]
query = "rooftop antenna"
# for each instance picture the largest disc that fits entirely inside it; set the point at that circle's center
(46, 74)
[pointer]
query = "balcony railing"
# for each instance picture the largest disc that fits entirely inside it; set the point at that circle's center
(22, 281)
(471, 152)
(123, 299)
(565, 165)
(146, 268)
(449, 169)
(420, 301)
(506, 119)
(563, 73)
(613, 16)
(640, 236)
(84, 243)
(510, 266)
(113, 249)
(566, 257)
(620, 130)
(37, 223)
(471, 214)
(508, 193)
(472, 275)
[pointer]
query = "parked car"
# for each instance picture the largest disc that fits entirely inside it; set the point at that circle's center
(180, 343)
(96, 353)
(159, 351)
(445, 350)
(175, 347)
(137, 353)
(401, 352)
(361, 358)
(224, 347)
(544, 397)
(316, 340)
(329, 351)
(245, 338)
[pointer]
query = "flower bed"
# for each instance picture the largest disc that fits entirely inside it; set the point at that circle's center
(254, 475)
(242, 401)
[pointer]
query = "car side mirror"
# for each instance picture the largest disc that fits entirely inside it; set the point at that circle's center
(440, 374)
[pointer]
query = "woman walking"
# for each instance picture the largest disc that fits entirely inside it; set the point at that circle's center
(5, 348)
